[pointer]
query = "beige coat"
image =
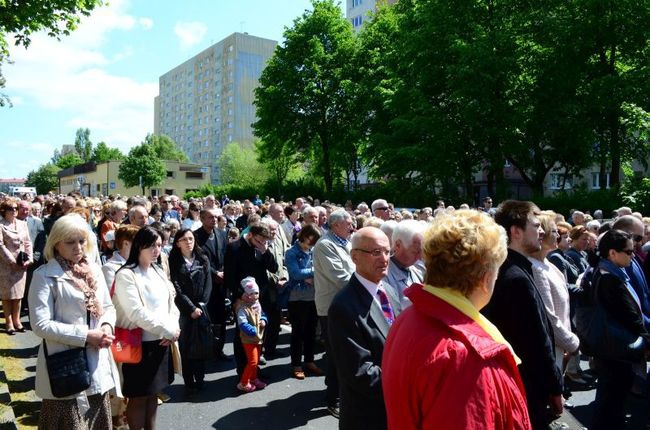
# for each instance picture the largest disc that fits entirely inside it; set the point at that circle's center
(13, 239)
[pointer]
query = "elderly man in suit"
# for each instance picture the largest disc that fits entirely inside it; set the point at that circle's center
(359, 319)
(406, 252)
(333, 267)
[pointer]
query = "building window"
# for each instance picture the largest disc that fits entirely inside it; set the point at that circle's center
(595, 181)
(356, 3)
(193, 175)
(357, 21)
(170, 174)
(557, 179)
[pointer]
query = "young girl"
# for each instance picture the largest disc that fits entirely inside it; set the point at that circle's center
(251, 322)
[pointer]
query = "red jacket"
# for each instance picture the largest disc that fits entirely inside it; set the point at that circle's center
(441, 370)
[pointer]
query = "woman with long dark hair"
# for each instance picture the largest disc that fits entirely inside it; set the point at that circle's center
(144, 298)
(190, 273)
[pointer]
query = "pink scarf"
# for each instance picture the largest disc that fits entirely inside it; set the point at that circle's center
(83, 279)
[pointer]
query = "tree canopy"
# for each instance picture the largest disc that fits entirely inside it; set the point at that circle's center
(102, 153)
(44, 178)
(142, 168)
(164, 148)
(303, 100)
(239, 166)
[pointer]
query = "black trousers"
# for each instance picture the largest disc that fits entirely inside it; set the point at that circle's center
(217, 309)
(331, 376)
(193, 371)
(615, 380)
(303, 317)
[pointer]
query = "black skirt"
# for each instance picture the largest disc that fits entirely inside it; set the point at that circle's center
(152, 374)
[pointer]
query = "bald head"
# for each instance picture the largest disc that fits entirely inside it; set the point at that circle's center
(370, 251)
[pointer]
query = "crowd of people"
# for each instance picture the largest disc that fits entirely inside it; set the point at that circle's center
(454, 318)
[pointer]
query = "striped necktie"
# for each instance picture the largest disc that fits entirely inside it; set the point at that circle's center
(385, 306)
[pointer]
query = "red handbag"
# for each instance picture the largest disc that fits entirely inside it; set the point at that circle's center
(127, 346)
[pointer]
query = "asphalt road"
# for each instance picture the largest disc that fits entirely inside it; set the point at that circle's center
(286, 403)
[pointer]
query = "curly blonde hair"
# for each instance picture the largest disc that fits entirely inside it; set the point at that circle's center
(461, 247)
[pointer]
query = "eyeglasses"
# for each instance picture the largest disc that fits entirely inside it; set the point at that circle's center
(637, 238)
(382, 209)
(375, 252)
(12, 208)
(627, 251)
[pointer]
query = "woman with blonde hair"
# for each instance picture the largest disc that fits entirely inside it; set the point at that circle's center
(459, 373)
(70, 307)
(552, 286)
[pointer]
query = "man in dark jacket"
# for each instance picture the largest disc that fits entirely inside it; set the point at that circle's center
(212, 241)
(517, 310)
(249, 256)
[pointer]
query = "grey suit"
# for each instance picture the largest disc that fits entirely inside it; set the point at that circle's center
(399, 279)
(333, 267)
(357, 332)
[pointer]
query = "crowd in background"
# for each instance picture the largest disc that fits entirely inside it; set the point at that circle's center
(484, 299)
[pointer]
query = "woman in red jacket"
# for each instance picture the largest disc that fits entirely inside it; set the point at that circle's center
(460, 373)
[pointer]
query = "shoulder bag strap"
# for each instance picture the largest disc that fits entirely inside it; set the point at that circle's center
(45, 343)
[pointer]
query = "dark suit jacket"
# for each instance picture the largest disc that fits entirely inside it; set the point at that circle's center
(357, 331)
(517, 309)
(211, 248)
(240, 262)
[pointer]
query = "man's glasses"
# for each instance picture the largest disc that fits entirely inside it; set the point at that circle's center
(382, 209)
(637, 238)
(375, 252)
(627, 251)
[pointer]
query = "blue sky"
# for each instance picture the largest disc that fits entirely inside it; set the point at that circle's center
(105, 75)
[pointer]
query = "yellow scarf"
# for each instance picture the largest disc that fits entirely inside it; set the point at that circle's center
(462, 303)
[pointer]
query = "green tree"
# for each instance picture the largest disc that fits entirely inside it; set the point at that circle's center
(239, 167)
(142, 167)
(68, 160)
(44, 178)
(280, 161)
(21, 19)
(82, 144)
(305, 92)
(165, 148)
(102, 153)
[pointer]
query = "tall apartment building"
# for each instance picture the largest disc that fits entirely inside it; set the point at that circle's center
(357, 11)
(207, 102)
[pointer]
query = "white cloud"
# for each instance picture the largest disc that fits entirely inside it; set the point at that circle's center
(70, 77)
(146, 23)
(190, 33)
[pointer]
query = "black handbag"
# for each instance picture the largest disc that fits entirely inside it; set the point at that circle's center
(601, 335)
(201, 338)
(68, 371)
(22, 258)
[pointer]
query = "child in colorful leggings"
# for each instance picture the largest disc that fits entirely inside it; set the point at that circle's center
(251, 322)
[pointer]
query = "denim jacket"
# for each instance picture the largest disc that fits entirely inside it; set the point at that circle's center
(300, 267)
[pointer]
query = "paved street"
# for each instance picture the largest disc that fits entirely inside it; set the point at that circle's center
(285, 404)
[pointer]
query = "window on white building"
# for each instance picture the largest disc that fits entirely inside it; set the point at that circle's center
(557, 179)
(595, 181)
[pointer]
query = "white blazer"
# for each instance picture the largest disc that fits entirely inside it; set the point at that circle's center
(58, 315)
(129, 299)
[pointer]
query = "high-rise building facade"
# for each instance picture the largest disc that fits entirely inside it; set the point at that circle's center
(357, 11)
(207, 102)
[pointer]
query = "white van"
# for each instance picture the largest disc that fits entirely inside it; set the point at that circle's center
(20, 191)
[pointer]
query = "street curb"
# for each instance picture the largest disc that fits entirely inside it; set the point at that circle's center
(7, 416)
